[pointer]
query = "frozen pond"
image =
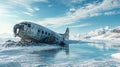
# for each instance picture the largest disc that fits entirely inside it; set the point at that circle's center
(78, 54)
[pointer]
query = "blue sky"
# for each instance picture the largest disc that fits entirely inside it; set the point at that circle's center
(80, 16)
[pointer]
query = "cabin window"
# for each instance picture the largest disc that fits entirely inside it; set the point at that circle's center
(38, 30)
(49, 34)
(45, 33)
(42, 32)
(29, 25)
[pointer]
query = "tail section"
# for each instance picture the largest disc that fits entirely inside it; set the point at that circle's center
(66, 34)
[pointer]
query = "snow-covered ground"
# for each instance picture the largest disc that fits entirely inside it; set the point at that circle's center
(116, 56)
(6, 36)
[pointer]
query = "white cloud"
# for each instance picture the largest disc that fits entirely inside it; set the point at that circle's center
(76, 1)
(90, 10)
(50, 5)
(28, 13)
(9, 17)
(81, 25)
(72, 9)
(112, 12)
(36, 9)
(27, 4)
(71, 3)
(4, 12)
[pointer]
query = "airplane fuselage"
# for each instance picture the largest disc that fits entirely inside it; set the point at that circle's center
(32, 32)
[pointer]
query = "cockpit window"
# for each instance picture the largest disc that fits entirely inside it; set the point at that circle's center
(29, 25)
(24, 23)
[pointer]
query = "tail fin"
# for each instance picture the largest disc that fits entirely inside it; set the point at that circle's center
(66, 34)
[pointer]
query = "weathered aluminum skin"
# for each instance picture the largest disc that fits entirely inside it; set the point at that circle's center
(32, 32)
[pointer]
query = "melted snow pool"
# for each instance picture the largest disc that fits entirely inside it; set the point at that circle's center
(78, 54)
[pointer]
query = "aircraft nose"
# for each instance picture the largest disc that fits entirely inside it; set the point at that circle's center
(17, 29)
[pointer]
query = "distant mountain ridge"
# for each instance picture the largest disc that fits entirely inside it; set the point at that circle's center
(104, 33)
(101, 33)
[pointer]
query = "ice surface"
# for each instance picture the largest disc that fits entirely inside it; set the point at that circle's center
(116, 56)
(10, 64)
(22, 56)
(80, 54)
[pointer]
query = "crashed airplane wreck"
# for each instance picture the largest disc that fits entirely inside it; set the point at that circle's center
(33, 33)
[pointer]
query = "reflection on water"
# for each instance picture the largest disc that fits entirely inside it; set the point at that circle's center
(47, 56)
(105, 45)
